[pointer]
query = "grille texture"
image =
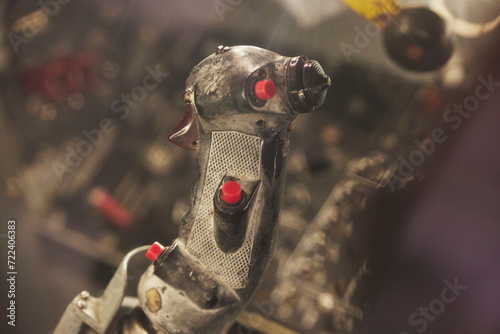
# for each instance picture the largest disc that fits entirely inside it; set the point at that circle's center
(238, 155)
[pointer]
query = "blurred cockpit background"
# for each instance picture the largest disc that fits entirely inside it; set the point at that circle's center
(395, 179)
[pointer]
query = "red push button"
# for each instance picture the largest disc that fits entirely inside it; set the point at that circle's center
(231, 192)
(265, 90)
(154, 251)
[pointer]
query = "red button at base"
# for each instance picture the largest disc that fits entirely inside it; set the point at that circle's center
(231, 192)
(154, 251)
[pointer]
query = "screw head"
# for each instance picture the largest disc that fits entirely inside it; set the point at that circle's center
(80, 304)
(85, 295)
(187, 95)
(222, 49)
(153, 300)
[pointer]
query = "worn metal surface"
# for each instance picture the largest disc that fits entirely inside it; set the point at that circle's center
(246, 139)
(98, 313)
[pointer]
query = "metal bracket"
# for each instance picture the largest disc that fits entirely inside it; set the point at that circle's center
(98, 313)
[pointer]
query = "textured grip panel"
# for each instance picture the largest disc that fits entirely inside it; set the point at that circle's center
(235, 154)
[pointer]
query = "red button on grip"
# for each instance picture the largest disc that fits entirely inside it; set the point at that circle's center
(231, 192)
(265, 90)
(154, 251)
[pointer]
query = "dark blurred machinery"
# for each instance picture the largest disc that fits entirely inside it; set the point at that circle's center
(90, 92)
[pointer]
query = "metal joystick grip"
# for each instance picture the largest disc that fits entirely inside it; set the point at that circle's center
(240, 102)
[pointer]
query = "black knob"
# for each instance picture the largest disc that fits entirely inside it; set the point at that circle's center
(308, 84)
(418, 39)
